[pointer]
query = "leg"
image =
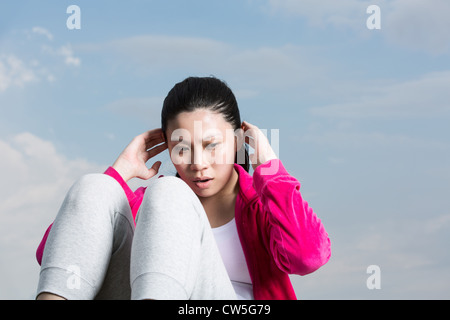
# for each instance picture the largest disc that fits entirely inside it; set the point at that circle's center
(87, 253)
(174, 254)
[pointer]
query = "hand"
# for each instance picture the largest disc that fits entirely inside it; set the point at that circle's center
(132, 161)
(258, 141)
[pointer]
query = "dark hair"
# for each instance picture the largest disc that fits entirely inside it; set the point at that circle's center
(208, 93)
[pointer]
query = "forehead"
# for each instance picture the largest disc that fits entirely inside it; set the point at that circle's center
(209, 121)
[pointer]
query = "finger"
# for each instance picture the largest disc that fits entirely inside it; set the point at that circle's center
(154, 143)
(156, 150)
(250, 141)
(247, 125)
(152, 135)
(249, 129)
(154, 140)
(156, 166)
(153, 170)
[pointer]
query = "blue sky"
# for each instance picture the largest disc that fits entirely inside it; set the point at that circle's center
(362, 116)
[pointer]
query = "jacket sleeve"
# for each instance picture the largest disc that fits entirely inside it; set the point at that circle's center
(40, 249)
(134, 199)
(296, 237)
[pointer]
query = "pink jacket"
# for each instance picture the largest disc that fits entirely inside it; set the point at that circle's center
(280, 234)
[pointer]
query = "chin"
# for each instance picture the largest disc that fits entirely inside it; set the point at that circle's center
(205, 193)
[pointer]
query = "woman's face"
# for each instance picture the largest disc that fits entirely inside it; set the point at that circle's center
(202, 148)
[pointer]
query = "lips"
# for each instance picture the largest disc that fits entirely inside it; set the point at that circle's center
(202, 179)
(203, 182)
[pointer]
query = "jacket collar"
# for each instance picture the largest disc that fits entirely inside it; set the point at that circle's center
(246, 190)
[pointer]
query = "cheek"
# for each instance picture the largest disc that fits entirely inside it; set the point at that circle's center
(179, 159)
(231, 153)
(224, 163)
(225, 155)
(181, 169)
(223, 174)
(177, 162)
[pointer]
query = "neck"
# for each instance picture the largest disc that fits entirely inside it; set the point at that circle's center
(220, 207)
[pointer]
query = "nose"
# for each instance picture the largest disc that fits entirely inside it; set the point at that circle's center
(198, 167)
(200, 160)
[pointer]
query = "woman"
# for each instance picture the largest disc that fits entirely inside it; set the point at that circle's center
(212, 232)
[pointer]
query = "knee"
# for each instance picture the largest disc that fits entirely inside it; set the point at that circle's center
(170, 197)
(166, 186)
(97, 191)
(94, 183)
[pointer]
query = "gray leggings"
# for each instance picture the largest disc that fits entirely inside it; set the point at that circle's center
(94, 251)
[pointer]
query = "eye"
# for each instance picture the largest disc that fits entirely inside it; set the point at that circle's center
(180, 150)
(212, 145)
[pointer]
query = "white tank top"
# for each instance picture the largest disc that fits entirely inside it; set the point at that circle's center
(230, 249)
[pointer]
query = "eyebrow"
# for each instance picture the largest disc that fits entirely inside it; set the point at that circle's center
(209, 138)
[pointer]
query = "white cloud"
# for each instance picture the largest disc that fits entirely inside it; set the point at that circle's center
(35, 179)
(66, 52)
(69, 59)
(35, 172)
(42, 31)
(14, 72)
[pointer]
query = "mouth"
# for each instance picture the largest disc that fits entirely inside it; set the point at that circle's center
(202, 179)
(203, 182)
